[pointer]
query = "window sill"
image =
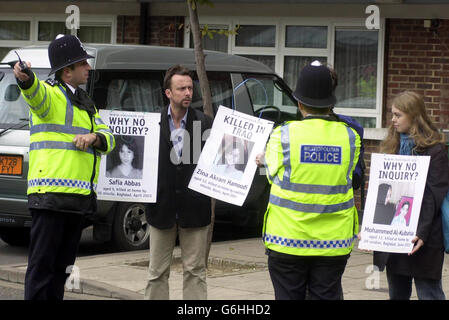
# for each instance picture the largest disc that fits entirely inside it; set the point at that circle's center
(374, 133)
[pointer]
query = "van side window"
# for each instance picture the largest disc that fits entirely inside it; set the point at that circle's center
(129, 91)
(220, 87)
(13, 109)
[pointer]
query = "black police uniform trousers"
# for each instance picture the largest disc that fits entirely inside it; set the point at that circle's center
(54, 241)
(306, 277)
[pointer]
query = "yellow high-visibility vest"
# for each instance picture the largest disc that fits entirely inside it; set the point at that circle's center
(55, 164)
(311, 209)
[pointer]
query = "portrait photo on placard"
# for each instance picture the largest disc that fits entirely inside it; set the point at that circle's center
(391, 197)
(126, 160)
(232, 156)
(403, 212)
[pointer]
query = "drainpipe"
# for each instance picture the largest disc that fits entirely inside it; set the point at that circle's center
(123, 28)
(177, 23)
(143, 34)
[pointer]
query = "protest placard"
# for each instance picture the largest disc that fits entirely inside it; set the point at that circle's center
(393, 203)
(129, 172)
(226, 167)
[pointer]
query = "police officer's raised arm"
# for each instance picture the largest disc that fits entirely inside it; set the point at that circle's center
(34, 92)
(23, 77)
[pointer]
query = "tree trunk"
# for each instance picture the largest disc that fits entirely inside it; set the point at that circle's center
(200, 62)
(205, 93)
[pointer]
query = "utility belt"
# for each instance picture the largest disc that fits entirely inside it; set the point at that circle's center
(291, 257)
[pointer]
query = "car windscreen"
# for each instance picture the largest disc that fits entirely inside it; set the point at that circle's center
(270, 95)
(13, 108)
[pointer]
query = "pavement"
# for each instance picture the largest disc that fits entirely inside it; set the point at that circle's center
(237, 271)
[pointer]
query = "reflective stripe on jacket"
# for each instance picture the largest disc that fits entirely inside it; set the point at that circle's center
(311, 208)
(55, 164)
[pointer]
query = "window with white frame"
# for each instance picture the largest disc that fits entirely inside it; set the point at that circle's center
(269, 61)
(217, 41)
(14, 33)
(14, 30)
(95, 33)
(287, 44)
(305, 36)
(48, 30)
(356, 60)
(256, 36)
(26, 31)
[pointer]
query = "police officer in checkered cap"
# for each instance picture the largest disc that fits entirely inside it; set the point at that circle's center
(66, 139)
(311, 221)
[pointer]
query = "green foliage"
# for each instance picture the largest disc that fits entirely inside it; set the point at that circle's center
(195, 3)
(367, 88)
(205, 31)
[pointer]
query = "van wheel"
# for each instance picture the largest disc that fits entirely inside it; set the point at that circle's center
(15, 236)
(130, 230)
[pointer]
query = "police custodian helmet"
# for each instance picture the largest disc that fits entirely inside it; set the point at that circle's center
(314, 86)
(64, 51)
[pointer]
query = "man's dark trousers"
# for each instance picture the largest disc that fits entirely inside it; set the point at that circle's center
(55, 237)
(306, 277)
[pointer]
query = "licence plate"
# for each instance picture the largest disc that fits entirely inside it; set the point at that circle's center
(11, 165)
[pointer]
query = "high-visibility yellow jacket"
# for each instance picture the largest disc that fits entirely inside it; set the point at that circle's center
(56, 165)
(311, 208)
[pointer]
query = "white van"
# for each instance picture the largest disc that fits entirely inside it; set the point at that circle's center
(130, 78)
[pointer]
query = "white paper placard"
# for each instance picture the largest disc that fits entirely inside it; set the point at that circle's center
(226, 167)
(393, 203)
(129, 173)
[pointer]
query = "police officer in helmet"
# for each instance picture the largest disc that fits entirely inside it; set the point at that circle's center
(311, 221)
(66, 139)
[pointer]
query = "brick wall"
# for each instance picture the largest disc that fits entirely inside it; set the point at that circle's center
(128, 29)
(163, 31)
(418, 59)
(415, 59)
(371, 146)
